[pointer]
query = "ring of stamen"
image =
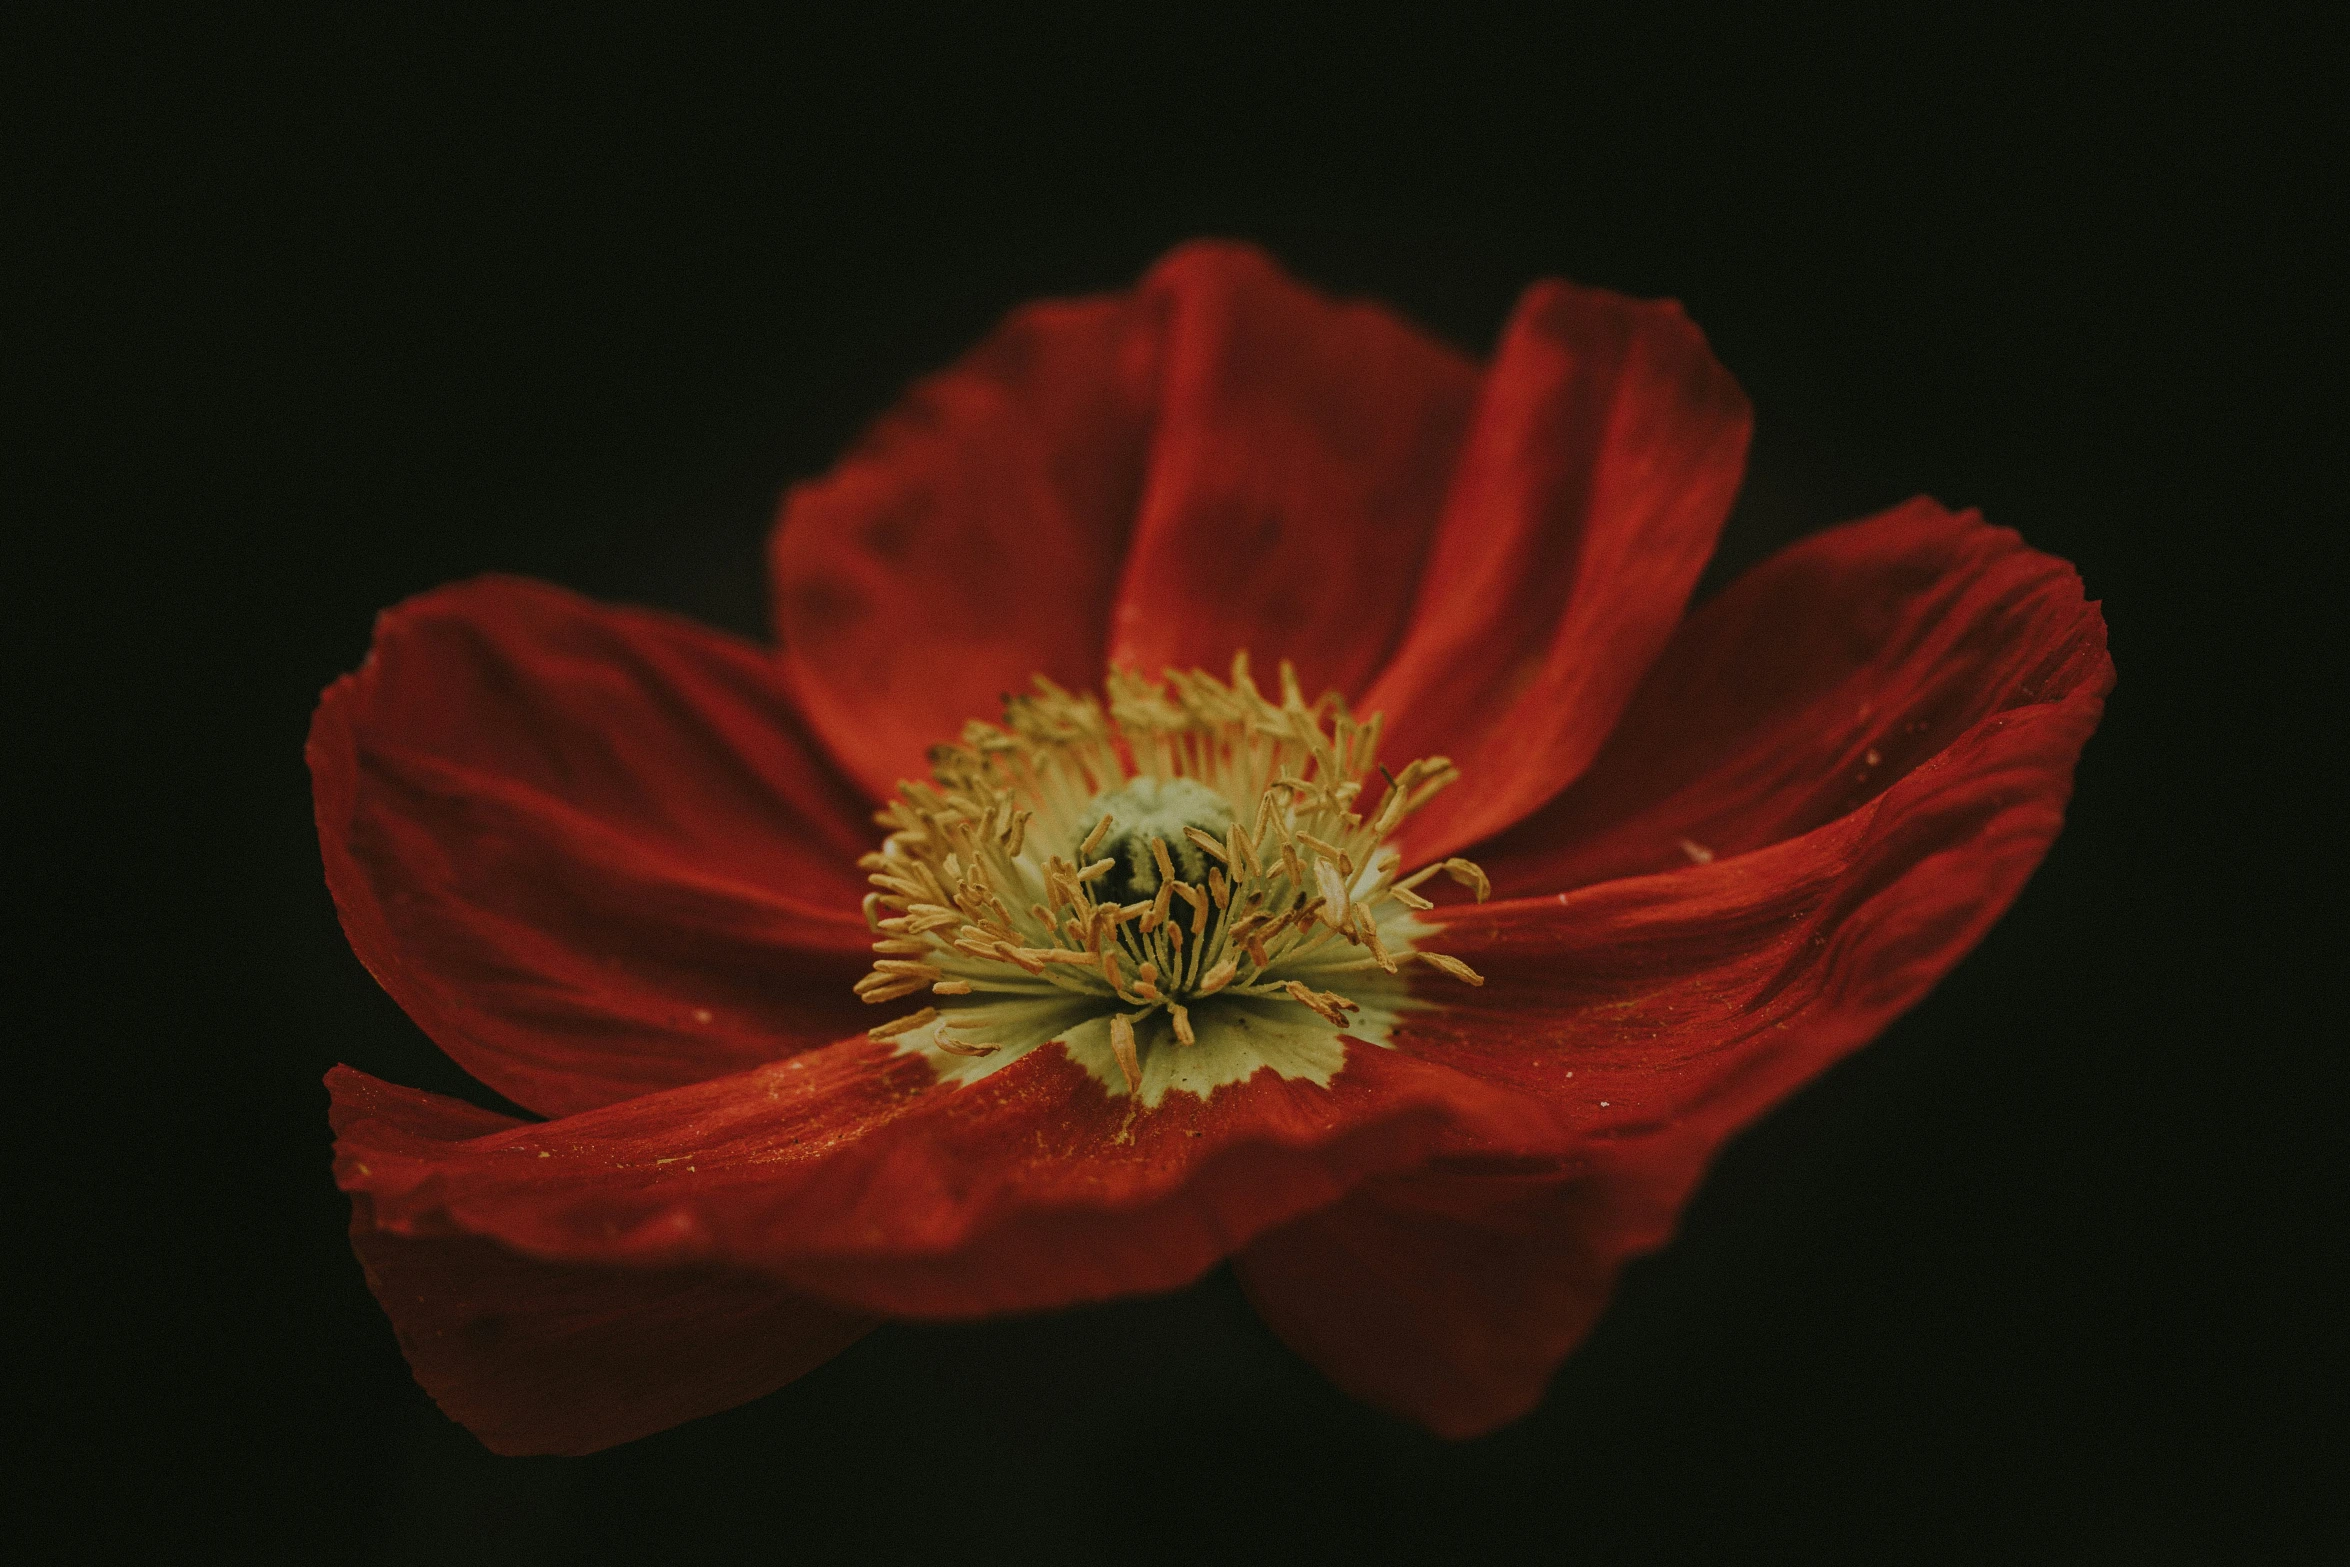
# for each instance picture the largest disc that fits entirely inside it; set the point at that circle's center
(1193, 839)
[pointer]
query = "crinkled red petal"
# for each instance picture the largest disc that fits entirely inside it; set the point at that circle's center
(540, 1357)
(1229, 459)
(1449, 1295)
(1672, 995)
(846, 1173)
(1657, 1015)
(972, 540)
(1296, 470)
(1808, 687)
(588, 850)
(1605, 449)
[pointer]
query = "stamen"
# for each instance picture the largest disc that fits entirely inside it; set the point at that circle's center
(902, 1025)
(1244, 854)
(1331, 1006)
(1419, 876)
(1326, 876)
(1045, 857)
(1122, 1046)
(1469, 875)
(960, 1047)
(1451, 965)
(1199, 905)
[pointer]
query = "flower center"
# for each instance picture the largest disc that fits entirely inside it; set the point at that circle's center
(1162, 810)
(1187, 863)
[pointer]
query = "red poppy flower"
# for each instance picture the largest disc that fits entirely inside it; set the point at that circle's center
(1162, 980)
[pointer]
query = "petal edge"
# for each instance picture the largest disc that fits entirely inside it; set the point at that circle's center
(586, 849)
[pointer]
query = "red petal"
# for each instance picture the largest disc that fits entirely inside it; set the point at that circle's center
(1807, 688)
(1605, 449)
(846, 1174)
(538, 1357)
(1448, 1295)
(972, 540)
(587, 849)
(1713, 990)
(1286, 456)
(1657, 1015)
(1298, 464)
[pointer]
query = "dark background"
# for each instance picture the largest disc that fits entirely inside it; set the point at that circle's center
(316, 315)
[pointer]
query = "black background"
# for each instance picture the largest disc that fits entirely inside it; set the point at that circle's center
(319, 314)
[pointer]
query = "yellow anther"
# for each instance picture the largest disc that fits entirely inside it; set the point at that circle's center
(903, 1025)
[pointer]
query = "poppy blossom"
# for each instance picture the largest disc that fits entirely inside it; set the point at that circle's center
(1235, 781)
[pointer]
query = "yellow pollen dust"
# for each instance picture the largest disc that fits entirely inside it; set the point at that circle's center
(1191, 840)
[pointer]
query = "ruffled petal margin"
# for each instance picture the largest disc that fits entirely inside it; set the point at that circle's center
(847, 1177)
(1808, 687)
(848, 1174)
(1603, 455)
(539, 1357)
(1657, 1015)
(1449, 1295)
(587, 849)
